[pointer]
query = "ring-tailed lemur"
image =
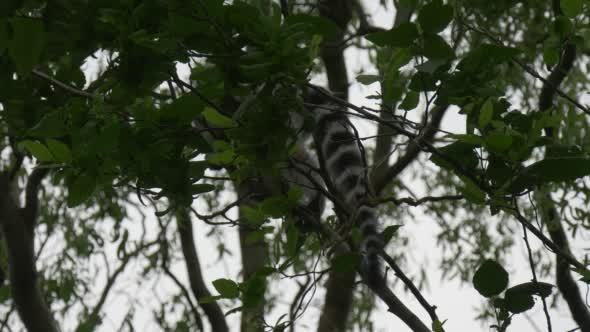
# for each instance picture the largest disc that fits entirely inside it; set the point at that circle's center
(342, 161)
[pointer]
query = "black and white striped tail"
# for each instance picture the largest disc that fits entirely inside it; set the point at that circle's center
(343, 162)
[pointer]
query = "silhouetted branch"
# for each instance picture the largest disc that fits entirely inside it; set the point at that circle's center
(195, 275)
(19, 239)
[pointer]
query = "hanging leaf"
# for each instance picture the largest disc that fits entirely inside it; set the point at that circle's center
(38, 150)
(201, 188)
(368, 79)
(59, 150)
(51, 125)
(490, 279)
(27, 43)
(403, 35)
(517, 302)
(434, 17)
(227, 288)
(551, 170)
(486, 114)
(346, 262)
(571, 8)
(435, 47)
(81, 189)
(389, 232)
(539, 288)
(411, 101)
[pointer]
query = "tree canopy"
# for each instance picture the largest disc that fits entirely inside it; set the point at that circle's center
(139, 137)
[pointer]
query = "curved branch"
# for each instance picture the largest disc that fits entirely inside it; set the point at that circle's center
(565, 282)
(195, 275)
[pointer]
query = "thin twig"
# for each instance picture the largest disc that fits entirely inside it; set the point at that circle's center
(534, 273)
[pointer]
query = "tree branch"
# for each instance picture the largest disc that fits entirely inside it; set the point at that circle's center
(431, 309)
(24, 286)
(549, 215)
(195, 275)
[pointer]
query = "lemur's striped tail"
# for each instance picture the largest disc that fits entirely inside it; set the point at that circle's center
(342, 160)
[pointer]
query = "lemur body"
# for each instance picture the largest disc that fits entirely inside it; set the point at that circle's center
(344, 168)
(338, 164)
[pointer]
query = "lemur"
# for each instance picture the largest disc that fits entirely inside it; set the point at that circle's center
(344, 168)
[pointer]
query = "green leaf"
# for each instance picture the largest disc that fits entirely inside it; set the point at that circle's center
(460, 153)
(472, 192)
(435, 47)
(411, 101)
(209, 299)
(196, 169)
(517, 302)
(403, 35)
(200, 188)
(38, 150)
(217, 119)
(541, 289)
(571, 8)
(27, 43)
(254, 217)
(432, 65)
(184, 108)
(490, 279)
(434, 17)
(550, 56)
(227, 288)
(389, 232)
(51, 125)
(368, 79)
(585, 273)
(4, 35)
(347, 262)
(59, 150)
(437, 326)
(498, 142)
(486, 114)
(564, 27)
(551, 170)
(316, 25)
(469, 139)
(81, 189)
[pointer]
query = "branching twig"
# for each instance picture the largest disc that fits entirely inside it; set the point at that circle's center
(431, 309)
(64, 86)
(534, 273)
(415, 202)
